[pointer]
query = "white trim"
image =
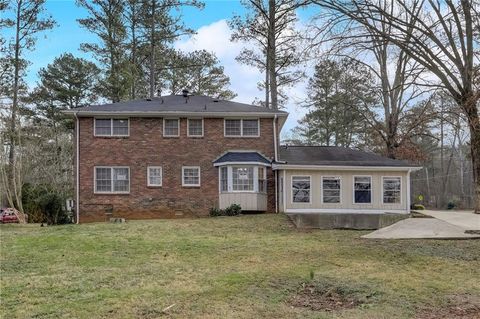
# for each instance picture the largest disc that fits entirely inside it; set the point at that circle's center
(178, 127)
(241, 127)
(188, 127)
(77, 169)
(111, 126)
(309, 193)
(408, 191)
(275, 138)
(111, 178)
(353, 190)
(321, 188)
(345, 211)
(343, 168)
(148, 176)
(255, 181)
(275, 176)
(242, 163)
(401, 189)
(183, 176)
(284, 191)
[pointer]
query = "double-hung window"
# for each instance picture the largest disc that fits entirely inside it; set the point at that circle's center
(190, 176)
(171, 127)
(112, 179)
(301, 189)
(195, 127)
(362, 188)
(242, 127)
(331, 188)
(242, 178)
(223, 179)
(262, 180)
(154, 176)
(111, 127)
(392, 189)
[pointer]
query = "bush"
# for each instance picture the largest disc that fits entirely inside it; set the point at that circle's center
(232, 210)
(418, 207)
(43, 205)
(451, 205)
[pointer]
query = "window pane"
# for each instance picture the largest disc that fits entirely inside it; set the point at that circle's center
(301, 189)
(103, 179)
(392, 190)
(195, 127)
(233, 127)
(120, 127)
(262, 183)
(331, 190)
(154, 176)
(171, 127)
(223, 179)
(250, 127)
(363, 190)
(120, 180)
(191, 176)
(242, 178)
(103, 127)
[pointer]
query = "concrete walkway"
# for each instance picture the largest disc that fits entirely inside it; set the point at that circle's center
(418, 228)
(465, 219)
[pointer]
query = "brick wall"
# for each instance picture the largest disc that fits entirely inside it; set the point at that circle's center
(146, 146)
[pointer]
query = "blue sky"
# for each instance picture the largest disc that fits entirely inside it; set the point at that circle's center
(212, 34)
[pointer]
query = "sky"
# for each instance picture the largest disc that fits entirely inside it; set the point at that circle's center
(212, 34)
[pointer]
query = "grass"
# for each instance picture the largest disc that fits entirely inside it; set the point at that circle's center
(229, 267)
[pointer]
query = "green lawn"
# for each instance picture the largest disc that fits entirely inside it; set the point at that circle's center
(228, 267)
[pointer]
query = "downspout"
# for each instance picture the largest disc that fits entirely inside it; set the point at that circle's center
(408, 191)
(77, 168)
(275, 159)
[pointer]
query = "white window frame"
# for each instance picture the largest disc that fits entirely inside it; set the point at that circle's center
(183, 176)
(220, 191)
(309, 193)
(111, 178)
(371, 189)
(401, 190)
(241, 127)
(178, 127)
(256, 185)
(188, 127)
(111, 127)
(321, 188)
(148, 176)
(255, 173)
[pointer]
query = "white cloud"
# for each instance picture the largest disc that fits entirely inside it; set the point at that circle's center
(215, 38)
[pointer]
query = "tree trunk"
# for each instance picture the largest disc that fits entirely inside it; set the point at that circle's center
(152, 51)
(469, 104)
(271, 48)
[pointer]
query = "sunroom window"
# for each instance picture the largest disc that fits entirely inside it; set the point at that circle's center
(242, 178)
(392, 189)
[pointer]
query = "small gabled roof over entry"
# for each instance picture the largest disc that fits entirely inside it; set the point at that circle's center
(237, 157)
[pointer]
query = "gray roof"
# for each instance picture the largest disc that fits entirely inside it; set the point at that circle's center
(244, 157)
(175, 104)
(335, 156)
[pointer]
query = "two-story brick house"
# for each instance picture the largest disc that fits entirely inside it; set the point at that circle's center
(181, 155)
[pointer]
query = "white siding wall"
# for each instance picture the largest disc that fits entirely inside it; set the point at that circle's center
(248, 201)
(346, 201)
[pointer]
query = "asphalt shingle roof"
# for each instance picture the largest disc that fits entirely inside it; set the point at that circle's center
(176, 103)
(335, 156)
(246, 157)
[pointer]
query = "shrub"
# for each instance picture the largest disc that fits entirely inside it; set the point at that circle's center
(215, 212)
(451, 205)
(233, 210)
(418, 207)
(43, 205)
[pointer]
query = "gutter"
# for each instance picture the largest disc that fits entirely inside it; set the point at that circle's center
(275, 160)
(77, 168)
(345, 168)
(174, 113)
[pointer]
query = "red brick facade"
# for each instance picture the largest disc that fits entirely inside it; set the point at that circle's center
(146, 146)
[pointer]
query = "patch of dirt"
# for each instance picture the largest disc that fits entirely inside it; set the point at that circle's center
(325, 298)
(457, 307)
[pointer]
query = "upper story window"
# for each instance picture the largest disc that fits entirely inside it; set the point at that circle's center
(242, 127)
(362, 188)
(154, 176)
(112, 127)
(195, 127)
(171, 127)
(301, 189)
(392, 189)
(112, 179)
(190, 176)
(331, 190)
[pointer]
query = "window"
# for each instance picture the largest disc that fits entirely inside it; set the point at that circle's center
(190, 176)
(195, 127)
(392, 189)
(224, 179)
(242, 178)
(242, 127)
(362, 187)
(111, 127)
(112, 179)
(262, 183)
(331, 190)
(171, 127)
(301, 189)
(154, 176)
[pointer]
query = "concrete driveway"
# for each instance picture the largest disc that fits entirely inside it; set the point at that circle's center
(443, 225)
